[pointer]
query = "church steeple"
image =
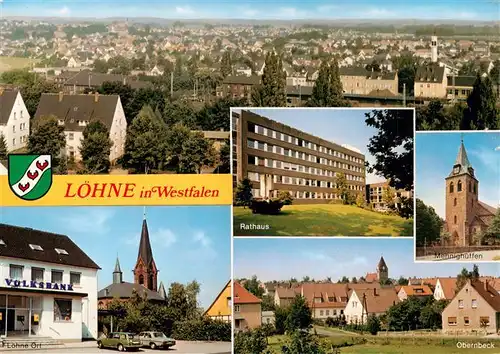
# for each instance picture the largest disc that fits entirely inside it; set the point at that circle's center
(145, 272)
(117, 273)
(462, 164)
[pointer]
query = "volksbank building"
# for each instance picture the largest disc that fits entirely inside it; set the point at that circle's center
(48, 286)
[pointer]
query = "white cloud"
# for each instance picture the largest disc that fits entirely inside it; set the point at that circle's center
(184, 10)
(63, 11)
(497, 148)
(487, 156)
(381, 13)
(201, 239)
(92, 221)
(164, 237)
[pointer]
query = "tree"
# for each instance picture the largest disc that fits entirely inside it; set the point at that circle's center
(373, 324)
(226, 65)
(481, 112)
(253, 286)
(224, 161)
(327, 90)
(280, 316)
(360, 200)
(492, 233)
(428, 224)
(145, 142)
(299, 315)
(302, 342)
(344, 280)
(430, 315)
(392, 146)
(100, 66)
(47, 138)
(243, 194)
(95, 148)
(215, 116)
(388, 197)
(465, 276)
(175, 141)
(268, 303)
(402, 281)
(3, 148)
(434, 116)
(197, 152)
(250, 342)
(285, 197)
(273, 87)
(342, 187)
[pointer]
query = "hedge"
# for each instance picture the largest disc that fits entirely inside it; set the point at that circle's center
(202, 330)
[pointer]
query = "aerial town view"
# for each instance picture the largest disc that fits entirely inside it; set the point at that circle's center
(323, 172)
(333, 296)
(78, 279)
(458, 196)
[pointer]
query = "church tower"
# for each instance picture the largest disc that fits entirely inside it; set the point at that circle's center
(382, 270)
(145, 271)
(117, 273)
(462, 189)
(434, 49)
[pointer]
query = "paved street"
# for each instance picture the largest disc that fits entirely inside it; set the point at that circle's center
(180, 347)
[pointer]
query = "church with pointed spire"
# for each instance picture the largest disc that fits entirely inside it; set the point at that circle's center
(145, 275)
(465, 214)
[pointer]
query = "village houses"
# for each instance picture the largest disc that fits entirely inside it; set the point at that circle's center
(14, 119)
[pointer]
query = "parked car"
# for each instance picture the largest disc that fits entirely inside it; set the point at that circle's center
(156, 340)
(121, 341)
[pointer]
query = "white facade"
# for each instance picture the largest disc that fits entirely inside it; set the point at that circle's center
(439, 292)
(67, 313)
(17, 129)
(354, 310)
(434, 49)
(117, 134)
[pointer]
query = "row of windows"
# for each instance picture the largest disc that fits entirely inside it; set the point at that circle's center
(483, 320)
(300, 142)
(254, 176)
(255, 144)
(22, 139)
(37, 274)
(22, 127)
(259, 161)
(464, 92)
(327, 312)
(20, 114)
(300, 195)
(472, 188)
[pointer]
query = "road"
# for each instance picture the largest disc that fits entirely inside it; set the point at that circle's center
(180, 347)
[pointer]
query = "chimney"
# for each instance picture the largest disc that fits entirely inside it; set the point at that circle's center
(374, 291)
(61, 95)
(124, 80)
(96, 97)
(486, 285)
(90, 79)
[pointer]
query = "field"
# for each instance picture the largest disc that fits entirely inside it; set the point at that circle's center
(322, 220)
(392, 345)
(11, 63)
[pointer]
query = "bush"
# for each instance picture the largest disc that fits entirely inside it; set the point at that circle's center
(204, 330)
(285, 197)
(250, 342)
(267, 207)
(373, 324)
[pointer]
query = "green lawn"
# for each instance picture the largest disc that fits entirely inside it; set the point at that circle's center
(11, 63)
(322, 220)
(401, 345)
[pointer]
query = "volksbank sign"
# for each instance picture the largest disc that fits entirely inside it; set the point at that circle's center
(15, 283)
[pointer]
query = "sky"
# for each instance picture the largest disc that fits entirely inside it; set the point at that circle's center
(319, 258)
(482, 10)
(435, 157)
(344, 126)
(188, 242)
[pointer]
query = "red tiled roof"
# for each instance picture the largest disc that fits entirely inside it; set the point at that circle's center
(243, 296)
(417, 290)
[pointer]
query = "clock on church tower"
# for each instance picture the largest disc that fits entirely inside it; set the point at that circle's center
(456, 169)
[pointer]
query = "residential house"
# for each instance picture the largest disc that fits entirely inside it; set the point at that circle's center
(268, 317)
(247, 309)
(326, 299)
(459, 87)
(243, 70)
(420, 291)
(364, 303)
(88, 80)
(14, 119)
(3, 170)
(238, 86)
(73, 63)
(476, 307)
(283, 296)
(222, 308)
(75, 112)
(445, 288)
(430, 82)
(360, 81)
(377, 193)
(156, 71)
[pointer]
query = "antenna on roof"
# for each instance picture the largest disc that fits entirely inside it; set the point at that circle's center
(462, 138)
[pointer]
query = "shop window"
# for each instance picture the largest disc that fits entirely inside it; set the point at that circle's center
(62, 309)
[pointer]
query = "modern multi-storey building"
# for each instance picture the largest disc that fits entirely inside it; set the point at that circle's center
(276, 157)
(377, 195)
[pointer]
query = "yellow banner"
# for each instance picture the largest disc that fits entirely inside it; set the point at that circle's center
(87, 190)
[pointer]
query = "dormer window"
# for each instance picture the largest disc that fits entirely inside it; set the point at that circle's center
(60, 122)
(61, 251)
(36, 247)
(2, 243)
